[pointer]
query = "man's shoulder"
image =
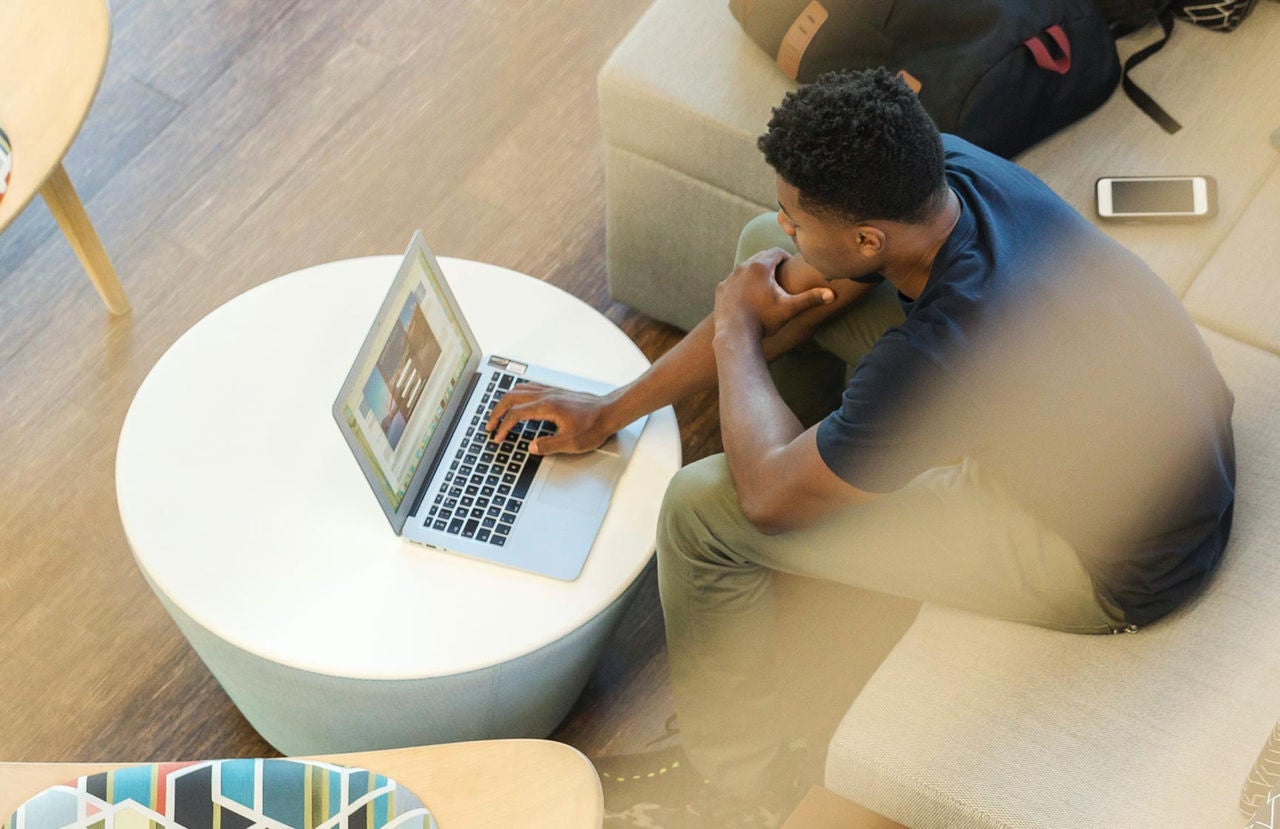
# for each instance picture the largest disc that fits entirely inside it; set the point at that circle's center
(985, 171)
(958, 150)
(1009, 206)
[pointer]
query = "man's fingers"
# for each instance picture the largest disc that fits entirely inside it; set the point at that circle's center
(533, 410)
(771, 256)
(811, 298)
(533, 402)
(522, 394)
(513, 413)
(499, 410)
(551, 444)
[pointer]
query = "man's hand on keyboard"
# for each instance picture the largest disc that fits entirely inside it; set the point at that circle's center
(579, 418)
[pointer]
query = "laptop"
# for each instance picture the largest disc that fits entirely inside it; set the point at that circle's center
(413, 411)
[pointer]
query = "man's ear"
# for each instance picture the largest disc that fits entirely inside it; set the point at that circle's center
(868, 240)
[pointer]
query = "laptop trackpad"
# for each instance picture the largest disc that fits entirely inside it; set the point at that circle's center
(580, 482)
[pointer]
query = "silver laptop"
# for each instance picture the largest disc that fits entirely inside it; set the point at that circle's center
(413, 410)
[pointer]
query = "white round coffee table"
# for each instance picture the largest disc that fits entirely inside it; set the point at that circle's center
(255, 527)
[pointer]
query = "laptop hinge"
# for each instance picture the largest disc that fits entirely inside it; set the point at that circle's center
(439, 456)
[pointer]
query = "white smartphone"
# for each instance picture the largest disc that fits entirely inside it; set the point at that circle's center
(1156, 198)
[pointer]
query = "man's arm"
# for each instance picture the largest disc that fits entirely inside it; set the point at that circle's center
(780, 477)
(585, 421)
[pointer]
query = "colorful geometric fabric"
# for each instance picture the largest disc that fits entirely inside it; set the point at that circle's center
(227, 794)
(1268, 814)
(1263, 783)
(6, 162)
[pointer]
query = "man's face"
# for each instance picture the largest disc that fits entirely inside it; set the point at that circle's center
(836, 248)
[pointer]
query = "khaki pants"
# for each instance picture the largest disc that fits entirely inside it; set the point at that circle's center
(951, 536)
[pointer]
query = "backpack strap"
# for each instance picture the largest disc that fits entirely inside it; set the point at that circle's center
(1144, 101)
(1060, 64)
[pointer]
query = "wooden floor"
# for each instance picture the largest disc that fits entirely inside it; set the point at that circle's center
(233, 142)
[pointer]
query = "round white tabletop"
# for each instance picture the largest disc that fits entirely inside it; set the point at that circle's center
(246, 510)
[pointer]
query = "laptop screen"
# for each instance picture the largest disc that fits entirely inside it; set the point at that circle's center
(404, 384)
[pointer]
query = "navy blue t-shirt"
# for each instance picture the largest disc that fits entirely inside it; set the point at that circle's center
(1058, 361)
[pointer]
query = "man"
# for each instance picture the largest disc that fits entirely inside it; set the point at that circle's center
(1034, 429)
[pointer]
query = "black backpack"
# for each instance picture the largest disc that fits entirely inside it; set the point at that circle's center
(1001, 73)
(1127, 16)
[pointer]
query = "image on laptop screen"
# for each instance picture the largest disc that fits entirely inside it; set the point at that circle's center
(405, 385)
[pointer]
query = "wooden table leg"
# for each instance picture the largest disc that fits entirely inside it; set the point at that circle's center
(65, 206)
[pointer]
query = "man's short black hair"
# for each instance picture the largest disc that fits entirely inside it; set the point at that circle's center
(857, 145)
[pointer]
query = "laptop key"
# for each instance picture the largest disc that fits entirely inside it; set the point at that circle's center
(439, 525)
(486, 491)
(455, 526)
(469, 531)
(506, 380)
(488, 522)
(498, 541)
(508, 517)
(482, 535)
(526, 477)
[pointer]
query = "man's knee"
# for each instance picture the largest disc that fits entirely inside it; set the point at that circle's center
(762, 233)
(698, 497)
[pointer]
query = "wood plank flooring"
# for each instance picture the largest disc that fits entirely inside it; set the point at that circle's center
(232, 142)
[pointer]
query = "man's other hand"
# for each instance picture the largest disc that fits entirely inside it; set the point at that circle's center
(752, 297)
(579, 418)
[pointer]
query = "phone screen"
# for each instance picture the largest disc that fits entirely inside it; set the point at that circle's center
(1160, 196)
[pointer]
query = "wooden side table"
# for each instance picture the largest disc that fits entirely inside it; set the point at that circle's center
(54, 58)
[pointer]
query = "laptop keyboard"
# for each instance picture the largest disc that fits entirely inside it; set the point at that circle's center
(482, 492)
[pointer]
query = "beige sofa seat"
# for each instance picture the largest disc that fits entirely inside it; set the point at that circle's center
(1238, 292)
(975, 722)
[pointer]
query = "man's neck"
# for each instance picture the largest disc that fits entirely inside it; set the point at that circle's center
(910, 271)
